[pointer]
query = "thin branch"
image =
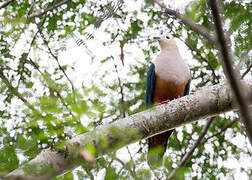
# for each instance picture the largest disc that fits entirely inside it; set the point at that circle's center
(31, 9)
(49, 9)
(221, 131)
(33, 39)
(133, 173)
(122, 101)
(15, 91)
(108, 12)
(247, 71)
(201, 57)
(193, 26)
(122, 51)
(56, 59)
(236, 85)
(190, 137)
(243, 59)
(57, 92)
(131, 158)
(198, 53)
(6, 3)
(175, 134)
(188, 155)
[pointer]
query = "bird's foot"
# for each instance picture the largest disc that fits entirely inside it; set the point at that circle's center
(163, 102)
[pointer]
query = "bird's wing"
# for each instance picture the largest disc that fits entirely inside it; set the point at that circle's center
(187, 87)
(150, 85)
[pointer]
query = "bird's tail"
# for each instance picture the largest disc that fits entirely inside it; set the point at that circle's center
(157, 147)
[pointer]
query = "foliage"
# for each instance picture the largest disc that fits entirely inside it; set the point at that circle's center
(41, 103)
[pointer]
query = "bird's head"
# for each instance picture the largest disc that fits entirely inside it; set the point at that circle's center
(166, 41)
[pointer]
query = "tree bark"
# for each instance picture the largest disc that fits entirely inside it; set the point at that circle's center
(205, 102)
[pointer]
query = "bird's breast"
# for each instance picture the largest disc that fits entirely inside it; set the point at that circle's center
(172, 75)
(170, 67)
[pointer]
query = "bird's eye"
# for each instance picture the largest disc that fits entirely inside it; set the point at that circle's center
(167, 37)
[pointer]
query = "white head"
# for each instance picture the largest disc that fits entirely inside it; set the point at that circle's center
(166, 42)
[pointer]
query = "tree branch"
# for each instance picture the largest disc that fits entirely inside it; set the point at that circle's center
(201, 57)
(49, 9)
(33, 39)
(14, 177)
(193, 26)
(247, 71)
(243, 60)
(184, 159)
(175, 134)
(221, 131)
(56, 59)
(6, 3)
(205, 102)
(237, 87)
(16, 93)
(132, 172)
(122, 104)
(190, 137)
(50, 87)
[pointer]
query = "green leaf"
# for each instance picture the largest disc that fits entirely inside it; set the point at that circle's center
(9, 160)
(110, 173)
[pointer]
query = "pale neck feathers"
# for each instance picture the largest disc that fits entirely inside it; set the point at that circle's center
(167, 44)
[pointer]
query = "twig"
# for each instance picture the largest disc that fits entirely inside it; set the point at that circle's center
(33, 39)
(221, 131)
(57, 92)
(129, 153)
(247, 71)
(175, 134)
(131, 158)
(231, 75)
(190, 137)
(6, 3)
(31, 9)
(39, 29)
(108, 12)
(243, 59)
(133, 174)
(202, 58)
(122, 51)
(121, 91)
(196, 144)
(193, 26)
(49, 9)
(56, 59)
(15, 92)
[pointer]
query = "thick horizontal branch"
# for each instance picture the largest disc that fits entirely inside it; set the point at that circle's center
(206, 102)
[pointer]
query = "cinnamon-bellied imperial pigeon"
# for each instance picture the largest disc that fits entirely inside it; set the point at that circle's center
(167, 79)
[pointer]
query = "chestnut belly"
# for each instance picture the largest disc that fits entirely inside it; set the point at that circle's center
(167, 90)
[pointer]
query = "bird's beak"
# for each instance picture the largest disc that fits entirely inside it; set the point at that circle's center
(156, 38)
